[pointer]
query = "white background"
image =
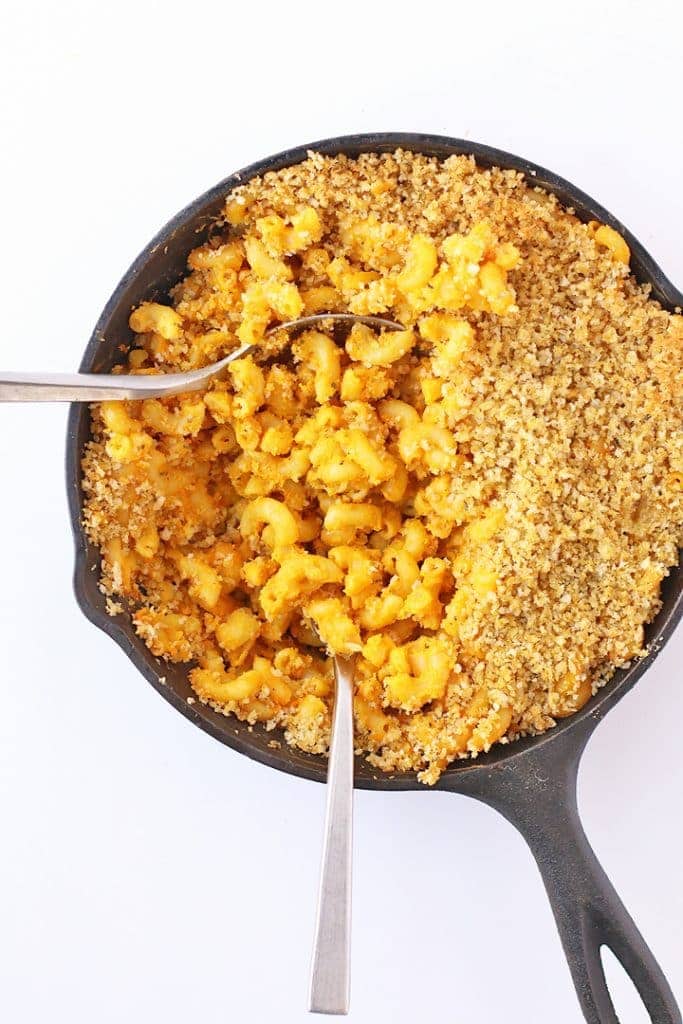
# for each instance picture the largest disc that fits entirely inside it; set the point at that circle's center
(146, 872)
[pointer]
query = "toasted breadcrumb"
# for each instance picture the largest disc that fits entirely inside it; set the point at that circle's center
(550, 513)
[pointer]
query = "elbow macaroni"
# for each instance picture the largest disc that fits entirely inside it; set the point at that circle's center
(324, 457)
(331, 499)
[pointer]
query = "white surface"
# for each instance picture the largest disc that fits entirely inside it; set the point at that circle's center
(147, 872)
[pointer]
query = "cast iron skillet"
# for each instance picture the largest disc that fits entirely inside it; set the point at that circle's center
(531, 782)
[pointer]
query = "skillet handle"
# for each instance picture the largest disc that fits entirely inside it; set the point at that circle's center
(538, 795)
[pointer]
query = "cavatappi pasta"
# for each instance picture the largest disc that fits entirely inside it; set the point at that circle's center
(480, 507)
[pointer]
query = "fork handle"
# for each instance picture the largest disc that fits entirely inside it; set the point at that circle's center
(73, 387)
(106, 387)
(330, 970)
(97, 387)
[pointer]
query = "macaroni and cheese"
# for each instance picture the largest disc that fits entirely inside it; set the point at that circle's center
(479, 507)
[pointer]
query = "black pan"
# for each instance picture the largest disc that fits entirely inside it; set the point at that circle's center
(531, 782)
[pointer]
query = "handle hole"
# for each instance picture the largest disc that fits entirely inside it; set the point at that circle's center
(628, 1005)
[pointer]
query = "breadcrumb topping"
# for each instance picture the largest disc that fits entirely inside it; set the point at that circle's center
(480, 508)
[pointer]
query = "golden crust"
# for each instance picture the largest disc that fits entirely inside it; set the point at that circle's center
(483, 505)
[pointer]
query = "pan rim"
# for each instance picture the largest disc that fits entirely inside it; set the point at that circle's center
(234, 734)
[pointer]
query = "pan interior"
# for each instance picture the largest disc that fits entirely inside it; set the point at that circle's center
(160, 266)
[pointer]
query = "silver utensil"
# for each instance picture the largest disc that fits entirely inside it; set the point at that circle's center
(330, 969)
(331, 965)
(99, 387)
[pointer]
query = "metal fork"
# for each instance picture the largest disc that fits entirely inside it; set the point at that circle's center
(99, 387)
(330, 969)
(331, 964)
